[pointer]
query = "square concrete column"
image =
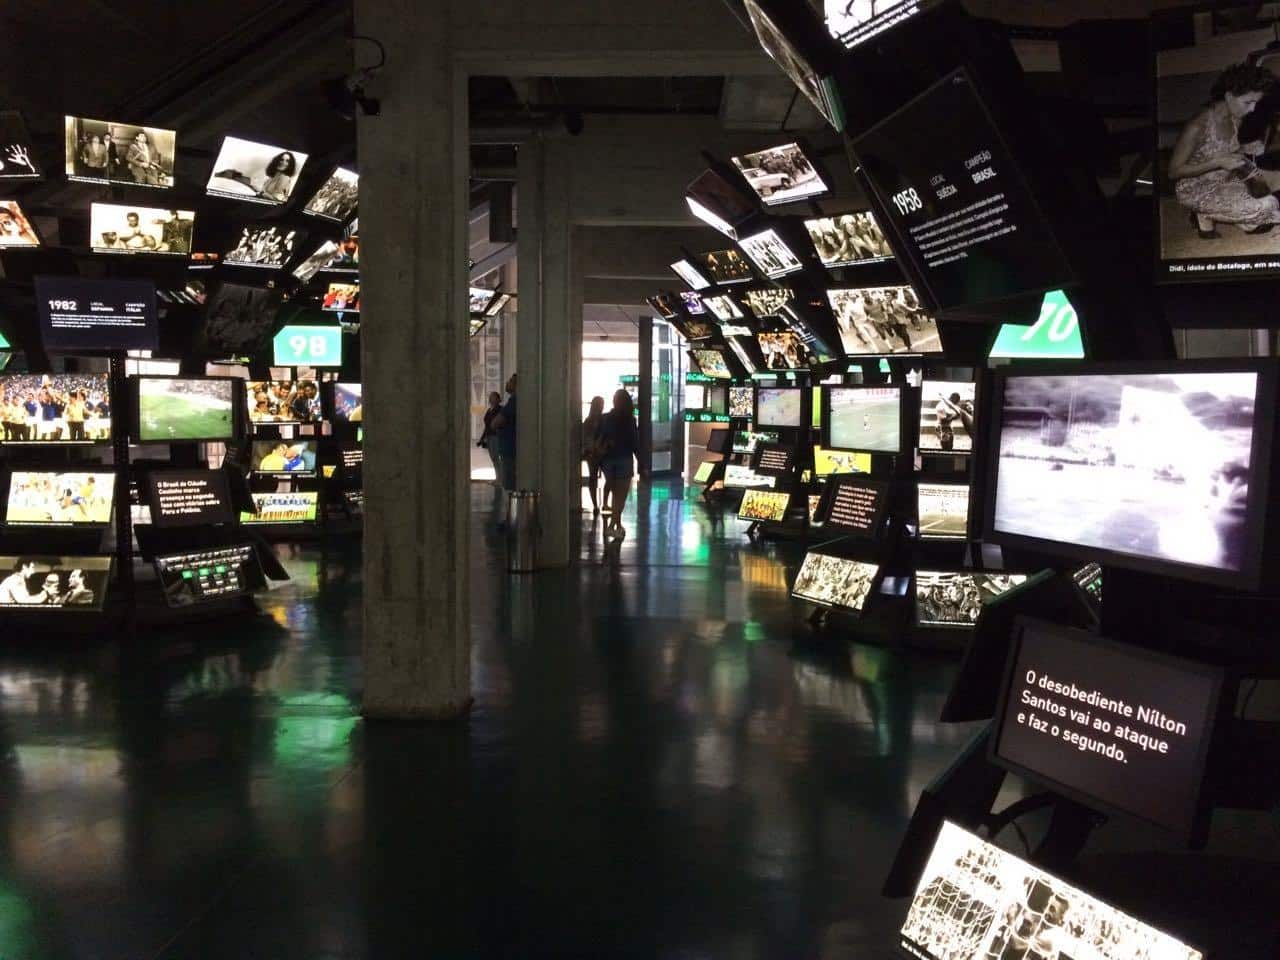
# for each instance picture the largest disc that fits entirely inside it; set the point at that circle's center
(414, 361)
(549, 344)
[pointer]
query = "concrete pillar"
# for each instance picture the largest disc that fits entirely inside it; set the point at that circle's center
(413, 204)
(549, 344)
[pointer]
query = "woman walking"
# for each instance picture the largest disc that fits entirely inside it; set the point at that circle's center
(591, 450)
(620, 442)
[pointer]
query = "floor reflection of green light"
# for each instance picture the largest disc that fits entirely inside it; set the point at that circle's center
(753, 631)
(17, 924)
(309, 735)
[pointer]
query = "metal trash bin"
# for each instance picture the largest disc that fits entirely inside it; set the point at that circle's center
(523, 530)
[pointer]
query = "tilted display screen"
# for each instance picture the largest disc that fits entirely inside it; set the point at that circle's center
(1159, 471)
(835, 581)
(39, 583)
(954, 598)
(976, 901)
(187, 498)
(1113, 726)
(206, 575)
(71, 499)
(764, 505)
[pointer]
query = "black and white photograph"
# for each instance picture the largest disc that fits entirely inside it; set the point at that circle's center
(1218, 150)
(120, 228)
(698, 330)
(797, 69)
(768, 301)
(975, 900)
(834, 581)
(851, 238)
(783, 351)
(942, 510)
(17, 158)
(254, 172)
(100, 151)
(883, 320)
(852, 22)
(955, 598)
(322, 259)
(1149, 465)
(723, 308)
(725, 266)
(15, 228)
(780, 174)
(740, 351)
(54, 582)
(239, 318)
(337, 197)
(947, 415)
(771, 256)
(268, 247)
(690, 274)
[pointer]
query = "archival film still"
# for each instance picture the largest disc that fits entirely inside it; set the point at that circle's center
(54, 582)
(947, 416)
(834, 581)
(848, 239)
(883, 320)
(98, 151)
(116, 228)
(976, 901)
(1150, 465)
(954, 599)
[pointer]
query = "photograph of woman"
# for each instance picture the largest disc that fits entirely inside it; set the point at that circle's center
(1218, 162)
(255, 172)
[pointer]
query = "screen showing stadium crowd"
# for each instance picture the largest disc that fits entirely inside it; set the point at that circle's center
(55, 407)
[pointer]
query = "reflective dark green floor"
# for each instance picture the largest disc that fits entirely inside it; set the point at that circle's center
(661, 763)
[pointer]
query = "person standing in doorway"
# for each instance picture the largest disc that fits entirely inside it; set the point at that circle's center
(489, 438)
(591, 449)
(619, 444)
(505, 424)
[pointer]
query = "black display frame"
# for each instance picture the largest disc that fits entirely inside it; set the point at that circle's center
(969, 531)
(6, 486)
(311, 474)
(853, 388)
(788, 449)
(238, 414)
(1260, 455)
(831, 489)
(805, 410)
(967, 627)
(724, 357)
(1196, 827)
(872, 589)
(153, 499)
(975, 436)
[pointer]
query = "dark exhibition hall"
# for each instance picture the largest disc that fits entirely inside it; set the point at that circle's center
(761, 395)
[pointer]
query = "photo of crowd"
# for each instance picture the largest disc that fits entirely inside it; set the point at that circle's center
(783, 351)
(848, 239)
(15, 228)
(269, 247)
(780, 174)
(54, 581)
(55, 407)
(954, 599)
(101, 152)
(283, 401)
(742, 401)
(883, 320)
(255, 172)
(976, 901)
(764, 505)
(834, 581)
(114, 228)
(60, 498)
(337, 197)
(342, 297)
(771, 256)
(711, 363)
